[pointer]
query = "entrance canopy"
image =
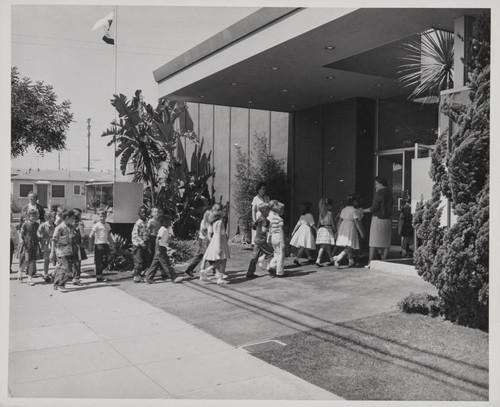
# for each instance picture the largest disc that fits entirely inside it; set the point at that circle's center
(288, 59)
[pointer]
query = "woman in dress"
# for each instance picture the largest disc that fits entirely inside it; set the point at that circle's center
(325, 238)
(380, 229)
(302, 235)
(349, 231)
(261, 197)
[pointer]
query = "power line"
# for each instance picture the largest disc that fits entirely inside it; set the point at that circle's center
(85, 48)
(92, 42)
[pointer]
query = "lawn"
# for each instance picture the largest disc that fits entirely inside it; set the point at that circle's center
(390, 356)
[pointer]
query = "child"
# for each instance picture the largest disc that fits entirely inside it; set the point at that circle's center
(140, 243)
(218, 250)
(326, 230)
(153, 225)
(62, 249)
(100, 234)
(45, 233)
(302, 235)
(14, 240)
(78, 250)
(349, 228)
(261, 247)
(405, 226)
(161, 258)
(31, 245)
(276, 235)
(204, 236)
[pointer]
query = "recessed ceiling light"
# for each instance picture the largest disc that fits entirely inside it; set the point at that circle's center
(330, 77)
(329, 47)
(233, 83)
(202, 96)
(331, 96)
(285, 90)
(274, 68)
(378, 85)
(250, 101)
(292, 106)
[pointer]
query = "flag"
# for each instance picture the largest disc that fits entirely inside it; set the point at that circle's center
(105, 23)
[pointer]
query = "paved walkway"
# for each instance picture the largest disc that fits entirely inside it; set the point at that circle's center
(100, 342)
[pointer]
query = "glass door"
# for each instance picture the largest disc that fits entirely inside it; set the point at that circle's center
(393, 168)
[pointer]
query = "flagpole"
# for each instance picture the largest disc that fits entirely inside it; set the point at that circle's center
(115, 56)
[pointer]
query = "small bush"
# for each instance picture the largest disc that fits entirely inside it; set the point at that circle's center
(181, 250)
(122, 258)
(424, 303)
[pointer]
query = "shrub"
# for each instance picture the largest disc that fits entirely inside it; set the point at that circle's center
(260, 165)
(122, 258)
(181, 250)
(455, 259)
(424, 303)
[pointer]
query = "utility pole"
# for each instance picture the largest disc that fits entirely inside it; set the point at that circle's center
(88, 143)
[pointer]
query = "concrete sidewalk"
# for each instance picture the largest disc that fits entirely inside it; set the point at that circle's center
(97, 341)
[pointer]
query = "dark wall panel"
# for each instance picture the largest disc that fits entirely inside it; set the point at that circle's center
(339, 151)
(307, 148)
(279, 134)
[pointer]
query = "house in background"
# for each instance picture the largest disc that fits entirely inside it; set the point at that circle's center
(54, 188)
(323, 84)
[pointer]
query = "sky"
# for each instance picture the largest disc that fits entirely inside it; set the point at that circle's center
(55, 44)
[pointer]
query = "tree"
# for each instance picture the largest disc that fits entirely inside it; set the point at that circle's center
(36, 118)
(251, 169)
(146, 138)
(455, 259)
(429, 67)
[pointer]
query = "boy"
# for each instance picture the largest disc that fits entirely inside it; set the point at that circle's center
(161, 258)
(261, 247)
(100, 234)
(78, 250)
(153, 227)
(45, 233)
(62, 249)
(140, 243)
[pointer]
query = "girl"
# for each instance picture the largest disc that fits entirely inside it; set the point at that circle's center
(276, 233)
(45, 233)
(326, 230)
(31, 245)
(261, 247)
(217, 251)
(302, 235)
(62, 249)
(204, 235)
(349, 228)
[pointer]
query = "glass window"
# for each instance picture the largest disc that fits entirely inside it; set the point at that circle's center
(99, 196)
(24, 190)
(58, 191)
(402, 124)
(76, 190)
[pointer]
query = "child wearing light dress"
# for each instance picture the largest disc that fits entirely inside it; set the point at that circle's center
(350, 230)
(31, 245)
(217, 251)
(325, 238)
(45, 233)
(302, 235)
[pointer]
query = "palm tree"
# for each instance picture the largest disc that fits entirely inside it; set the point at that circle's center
(430, 65)
(146, 137)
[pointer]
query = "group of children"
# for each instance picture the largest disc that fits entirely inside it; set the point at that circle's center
(58, 238)
(328, 233)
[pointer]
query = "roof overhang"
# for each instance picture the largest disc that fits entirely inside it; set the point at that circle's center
(277, 58)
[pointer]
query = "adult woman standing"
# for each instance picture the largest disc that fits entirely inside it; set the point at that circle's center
(260, 198)
(380, 229)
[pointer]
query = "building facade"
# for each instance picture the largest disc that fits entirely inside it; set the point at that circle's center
(330, 78)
